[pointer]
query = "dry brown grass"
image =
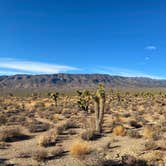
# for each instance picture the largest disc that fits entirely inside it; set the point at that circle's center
(79, 148)
(119, 130)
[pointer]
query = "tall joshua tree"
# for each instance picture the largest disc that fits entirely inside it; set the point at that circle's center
(99, 98)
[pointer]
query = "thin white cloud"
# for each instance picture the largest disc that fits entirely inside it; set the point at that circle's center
(9, 73)
(124, 72)
(31, 67)
(151, 48)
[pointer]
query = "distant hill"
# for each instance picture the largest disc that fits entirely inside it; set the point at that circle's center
(76, 81)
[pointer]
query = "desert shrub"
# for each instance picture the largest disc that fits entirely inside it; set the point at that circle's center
(56, 117)
(57, 152)
(11, 134)
(70, 124)
(119, 130)
(133, 134)
(37, 126)
(48, 139)
(90, 135)
(40, 154)
(67, 125)
(64, 126)
(79, 148)
(60, 129)
(151, 132)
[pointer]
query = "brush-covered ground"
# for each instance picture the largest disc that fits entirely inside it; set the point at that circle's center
(34, 131)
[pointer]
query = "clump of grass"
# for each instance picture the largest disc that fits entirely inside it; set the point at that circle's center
(79, 148)
(119, 130)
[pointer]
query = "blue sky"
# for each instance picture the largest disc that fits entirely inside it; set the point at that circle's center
(117, 37)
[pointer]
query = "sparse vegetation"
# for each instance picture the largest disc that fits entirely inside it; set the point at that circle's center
(112, 123)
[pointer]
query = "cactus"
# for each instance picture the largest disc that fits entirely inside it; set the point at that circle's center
(99, 98)
(83, 100)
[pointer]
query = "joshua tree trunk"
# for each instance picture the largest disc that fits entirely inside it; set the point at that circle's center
(99, 99)
(101, 115)
(97, 111)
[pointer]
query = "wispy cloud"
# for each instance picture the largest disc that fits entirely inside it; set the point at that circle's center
(151, 48)
(12, 66)
(124, 72)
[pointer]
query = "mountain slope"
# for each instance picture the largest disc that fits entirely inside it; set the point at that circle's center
(75, 81)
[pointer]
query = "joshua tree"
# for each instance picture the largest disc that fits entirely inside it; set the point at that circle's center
(54, 96)
(99, 98)
(84, 99)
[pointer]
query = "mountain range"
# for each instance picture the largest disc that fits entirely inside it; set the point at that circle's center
(76, 81)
